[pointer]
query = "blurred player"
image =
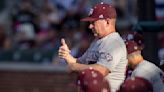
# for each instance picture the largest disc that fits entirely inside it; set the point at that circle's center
(136, 84)
(107, 53)
(143, 68)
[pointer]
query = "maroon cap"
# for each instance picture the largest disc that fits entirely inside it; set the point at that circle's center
(137, 37)
(131, 46)
(91, 80)
(101, 11)
(136, 84)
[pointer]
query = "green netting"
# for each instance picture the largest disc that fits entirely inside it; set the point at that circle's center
(149, 26)
(31, 55)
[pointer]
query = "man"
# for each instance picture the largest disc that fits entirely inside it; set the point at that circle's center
(107, 53)
(143, 68)
(138, 38)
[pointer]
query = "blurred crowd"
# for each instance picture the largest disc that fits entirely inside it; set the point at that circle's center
(33, 26)
(30, 24)
(41, 23)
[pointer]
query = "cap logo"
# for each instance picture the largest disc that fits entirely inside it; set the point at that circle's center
(135, 47)
(78, 82)
(90, 68)
(130, 37)
(95, 82)
(90, 12)
(83, 72)
(100, 11)
(126, 43)
(102, 2)
(101, 16)
(139, 41)
(133, 86)
(104, 90)
(132, 78)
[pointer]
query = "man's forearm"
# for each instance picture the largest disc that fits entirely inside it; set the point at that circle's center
(80, 67)
(70, 59)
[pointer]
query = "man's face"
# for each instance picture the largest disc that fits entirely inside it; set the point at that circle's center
(98, 28)
(132, 59)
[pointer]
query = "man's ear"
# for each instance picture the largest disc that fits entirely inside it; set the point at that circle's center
(108, 21)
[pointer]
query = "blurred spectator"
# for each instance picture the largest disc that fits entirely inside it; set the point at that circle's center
(48, 16)
(25, 36)
(64, 7)
(5, 41)
(48, 40)
(131, 10)
(71, 21)
(2, 37)
(120, 8)
(159, 9)
(161, 49)
(79, 48)
(24, 24)
(24, 14)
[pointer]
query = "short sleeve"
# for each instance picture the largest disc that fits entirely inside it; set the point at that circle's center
(110, 58)
(82, 59)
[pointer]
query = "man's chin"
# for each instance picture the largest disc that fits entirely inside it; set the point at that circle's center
(96, 35)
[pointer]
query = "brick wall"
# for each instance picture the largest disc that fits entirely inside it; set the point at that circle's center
(36, 81)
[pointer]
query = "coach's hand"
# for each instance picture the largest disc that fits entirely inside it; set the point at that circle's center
(64, 52)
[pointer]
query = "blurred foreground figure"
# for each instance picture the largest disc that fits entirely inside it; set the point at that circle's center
(90, 80)
(136, 84)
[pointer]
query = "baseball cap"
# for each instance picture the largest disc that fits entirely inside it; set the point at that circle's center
(91, 80)
(136, 84)
(101, 11)
(131, 46)
(137, 37)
